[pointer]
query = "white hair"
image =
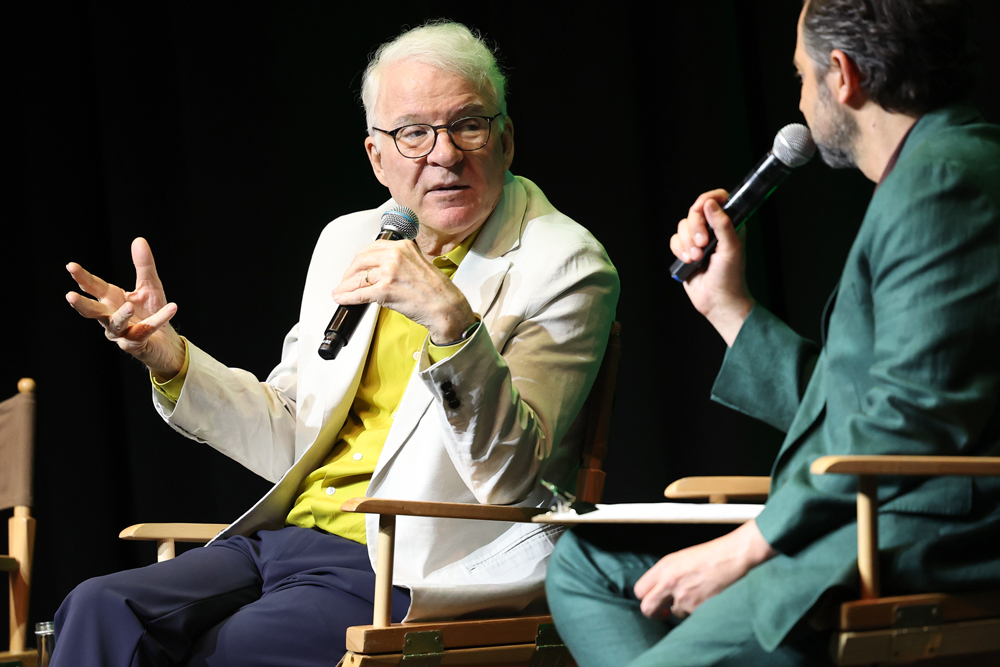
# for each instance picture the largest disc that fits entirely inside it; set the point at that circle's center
(443, 44)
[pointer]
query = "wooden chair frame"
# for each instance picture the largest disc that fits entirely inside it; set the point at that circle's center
(894, 629)
(18, 563)
(497, 642)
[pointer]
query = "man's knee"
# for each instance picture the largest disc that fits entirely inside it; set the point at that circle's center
(92, 596)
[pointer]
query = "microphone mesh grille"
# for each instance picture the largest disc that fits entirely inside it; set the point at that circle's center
(793, 145)
(401, 220)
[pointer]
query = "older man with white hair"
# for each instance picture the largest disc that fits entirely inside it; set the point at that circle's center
(463, 384)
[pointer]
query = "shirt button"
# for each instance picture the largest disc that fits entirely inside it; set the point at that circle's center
(416, 355)
(357, 456)
(330, 490)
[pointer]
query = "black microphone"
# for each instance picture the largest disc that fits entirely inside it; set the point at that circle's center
(399, 222)
(793, 147)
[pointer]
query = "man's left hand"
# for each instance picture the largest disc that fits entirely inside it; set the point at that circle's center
(681, 581)
(396, 275)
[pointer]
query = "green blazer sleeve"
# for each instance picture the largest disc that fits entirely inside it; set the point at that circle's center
(765, 372)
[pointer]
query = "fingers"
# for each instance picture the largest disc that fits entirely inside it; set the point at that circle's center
(87, 307)
(722, 226)
(146, 328)
(87, 281)
(118, 321)
(145, 267)
(692, 232)
(657, 601)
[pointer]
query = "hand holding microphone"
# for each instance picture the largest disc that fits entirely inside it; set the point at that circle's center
(398, 223)
(793, 147)
(721, 294)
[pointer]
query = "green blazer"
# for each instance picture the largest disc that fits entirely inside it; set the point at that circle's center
(910, 364)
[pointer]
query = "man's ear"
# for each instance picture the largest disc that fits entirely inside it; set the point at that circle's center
(507, 142)
(844, 80)
(375, 157)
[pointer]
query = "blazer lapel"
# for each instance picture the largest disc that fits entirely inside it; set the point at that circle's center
(479, 277)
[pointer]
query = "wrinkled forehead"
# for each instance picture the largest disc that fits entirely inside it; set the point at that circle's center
(413, 91)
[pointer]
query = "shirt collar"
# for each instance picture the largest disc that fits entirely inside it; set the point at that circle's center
(449, 262)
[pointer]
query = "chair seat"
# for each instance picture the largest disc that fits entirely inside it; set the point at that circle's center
(488, 656)
(917, 627)
(455, 634)
(495, 642)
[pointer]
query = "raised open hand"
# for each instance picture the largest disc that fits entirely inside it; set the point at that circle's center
(138, 321)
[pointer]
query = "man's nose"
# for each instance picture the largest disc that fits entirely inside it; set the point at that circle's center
(445, 152)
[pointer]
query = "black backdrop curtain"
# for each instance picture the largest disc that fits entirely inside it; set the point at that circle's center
(229, 134)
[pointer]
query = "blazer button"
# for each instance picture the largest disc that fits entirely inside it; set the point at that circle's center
(450, 395)
(446, 385)
(455, 403)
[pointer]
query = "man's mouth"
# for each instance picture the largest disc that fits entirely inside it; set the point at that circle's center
(449, 188)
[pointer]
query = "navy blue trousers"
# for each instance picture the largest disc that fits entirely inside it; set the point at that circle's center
(280, 598)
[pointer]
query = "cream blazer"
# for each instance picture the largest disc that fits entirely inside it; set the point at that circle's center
(546, 292)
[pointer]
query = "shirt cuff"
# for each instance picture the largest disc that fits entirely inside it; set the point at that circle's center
(437, 354)
(171, 389)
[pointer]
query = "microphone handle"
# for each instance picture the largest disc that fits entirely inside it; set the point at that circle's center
(346, 318)
(747, 198)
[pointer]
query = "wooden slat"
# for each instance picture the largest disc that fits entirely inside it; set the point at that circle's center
(953, 639)
(981, 466)
(881, 612)
(181, 532)
(441, 510)
(518, 655)
(27, 658)
(8, 564)
(455, 634)
(732, 488)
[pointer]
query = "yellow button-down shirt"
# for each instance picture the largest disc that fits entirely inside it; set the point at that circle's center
(348, 468)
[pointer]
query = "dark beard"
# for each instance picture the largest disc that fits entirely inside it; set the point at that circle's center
(835, 138)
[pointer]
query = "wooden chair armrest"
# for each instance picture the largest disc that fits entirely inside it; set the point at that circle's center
(167, 535)
(179, 532)
(979, 466)
(720, 489)
(440, 510)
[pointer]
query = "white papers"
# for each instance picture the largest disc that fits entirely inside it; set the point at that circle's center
(657, 513)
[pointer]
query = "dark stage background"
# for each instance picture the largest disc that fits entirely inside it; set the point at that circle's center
(228, 135)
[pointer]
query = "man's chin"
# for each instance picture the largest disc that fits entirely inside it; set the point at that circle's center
(836, 158)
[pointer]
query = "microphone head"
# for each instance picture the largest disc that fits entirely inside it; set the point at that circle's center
(401, 220)
(794, 145)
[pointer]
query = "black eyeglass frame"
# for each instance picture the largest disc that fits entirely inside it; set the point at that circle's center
(436, 128)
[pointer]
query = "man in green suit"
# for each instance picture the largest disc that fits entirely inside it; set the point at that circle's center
(910, 364)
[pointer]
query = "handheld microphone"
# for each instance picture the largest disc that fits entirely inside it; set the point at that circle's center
(399, 222)
(793, 147)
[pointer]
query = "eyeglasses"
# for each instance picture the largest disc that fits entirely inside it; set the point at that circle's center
(467, 134)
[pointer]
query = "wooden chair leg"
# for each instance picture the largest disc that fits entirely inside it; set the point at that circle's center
(165, 549)
(868, 536)
(383, 570)
(21, 537)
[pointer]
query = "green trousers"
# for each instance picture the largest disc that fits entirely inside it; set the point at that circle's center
(590, 595)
